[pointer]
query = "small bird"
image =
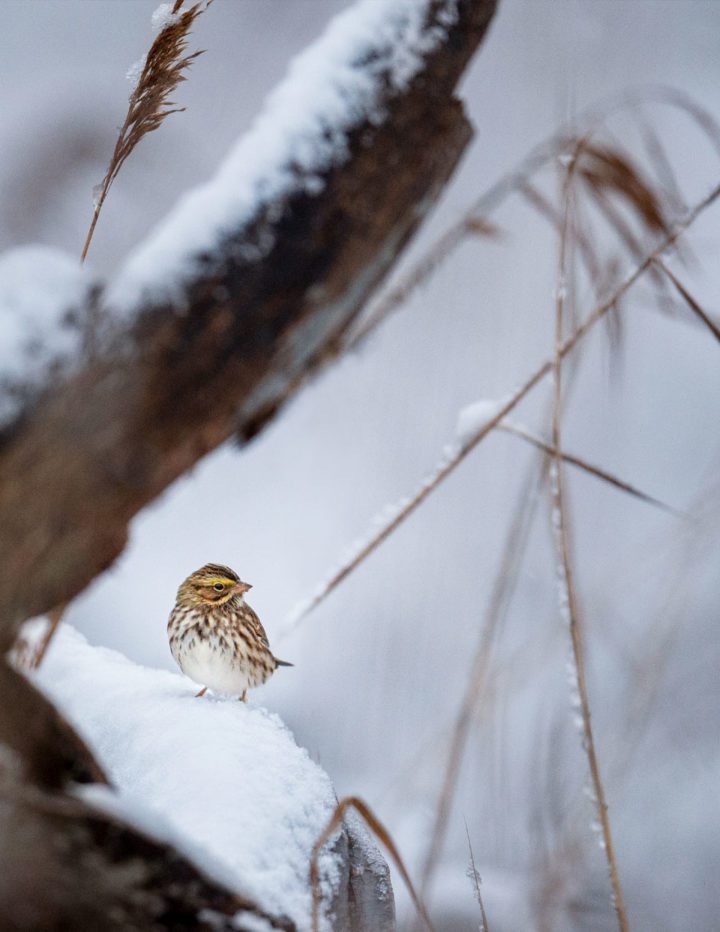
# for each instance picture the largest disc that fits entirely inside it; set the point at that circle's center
(215, 637)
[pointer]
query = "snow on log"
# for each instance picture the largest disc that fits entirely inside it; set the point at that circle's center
(45, 296)
(221, 780)
(368, 54)
(68, 863)
(242, 294)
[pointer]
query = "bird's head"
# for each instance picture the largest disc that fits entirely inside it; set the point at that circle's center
(212, 584)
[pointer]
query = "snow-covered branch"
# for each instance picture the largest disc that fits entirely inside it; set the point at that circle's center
(46, 302)
(70, 859)
(221, 781)
(242, 293)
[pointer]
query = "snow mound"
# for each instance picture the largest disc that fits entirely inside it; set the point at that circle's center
(222, 780)
(473, 418)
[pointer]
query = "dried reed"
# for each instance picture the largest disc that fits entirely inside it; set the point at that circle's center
(513, 554)
(585, 466)
(163, 70)
(54, 619)
(689, 300)
(646, 678)
(461, 452)
(604, 173)
(517, 180)
(568, 596)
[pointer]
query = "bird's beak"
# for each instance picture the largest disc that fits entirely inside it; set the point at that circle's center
(241, 587)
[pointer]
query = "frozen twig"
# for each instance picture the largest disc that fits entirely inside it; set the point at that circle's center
(517, 431)
(689, 300)
(567, 594)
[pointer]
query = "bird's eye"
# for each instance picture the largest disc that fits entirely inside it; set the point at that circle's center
(218, 587)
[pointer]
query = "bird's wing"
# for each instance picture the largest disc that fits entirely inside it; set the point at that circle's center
(255, 625)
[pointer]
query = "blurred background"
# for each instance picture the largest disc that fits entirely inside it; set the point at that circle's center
(382, 664)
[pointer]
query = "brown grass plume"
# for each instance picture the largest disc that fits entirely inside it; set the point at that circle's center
(163, 69)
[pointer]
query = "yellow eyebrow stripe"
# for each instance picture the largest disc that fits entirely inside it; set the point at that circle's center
(213, 580)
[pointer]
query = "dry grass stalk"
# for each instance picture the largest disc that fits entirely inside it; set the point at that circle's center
(690, 301)
(569, 602)
(517, 180)
(478, 677)
(149, 105)
(458, 455)
(607, 171)
(631, 242)
(663, 168)
(481, 660)
(380, 832)
(639, 196)
(582, 464)
(476, 881)
(612, 181)
(54, 619)
(513, 554)
(547, 210)
(646, 679)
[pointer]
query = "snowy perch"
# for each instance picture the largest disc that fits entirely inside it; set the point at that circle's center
(240, 295)
(221, 780)
(66, 862)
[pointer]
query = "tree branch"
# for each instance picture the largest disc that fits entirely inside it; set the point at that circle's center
(228, 341)
(72, 865)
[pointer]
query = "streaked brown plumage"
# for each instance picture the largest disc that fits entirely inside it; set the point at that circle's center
(215, 637)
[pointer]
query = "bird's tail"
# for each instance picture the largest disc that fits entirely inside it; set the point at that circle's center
(283, 663)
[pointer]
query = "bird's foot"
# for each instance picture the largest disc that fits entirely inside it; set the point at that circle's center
(243, 698)
(202, 692)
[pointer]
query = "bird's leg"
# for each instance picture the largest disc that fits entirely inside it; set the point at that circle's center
(201, 693)
(243, 698)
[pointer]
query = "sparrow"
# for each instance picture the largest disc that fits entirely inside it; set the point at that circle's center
(216, 638)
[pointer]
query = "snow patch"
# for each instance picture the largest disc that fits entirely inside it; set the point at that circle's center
(473, 417)
(163, 17)
(42, 294)
(133, 74)
(222, 780)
